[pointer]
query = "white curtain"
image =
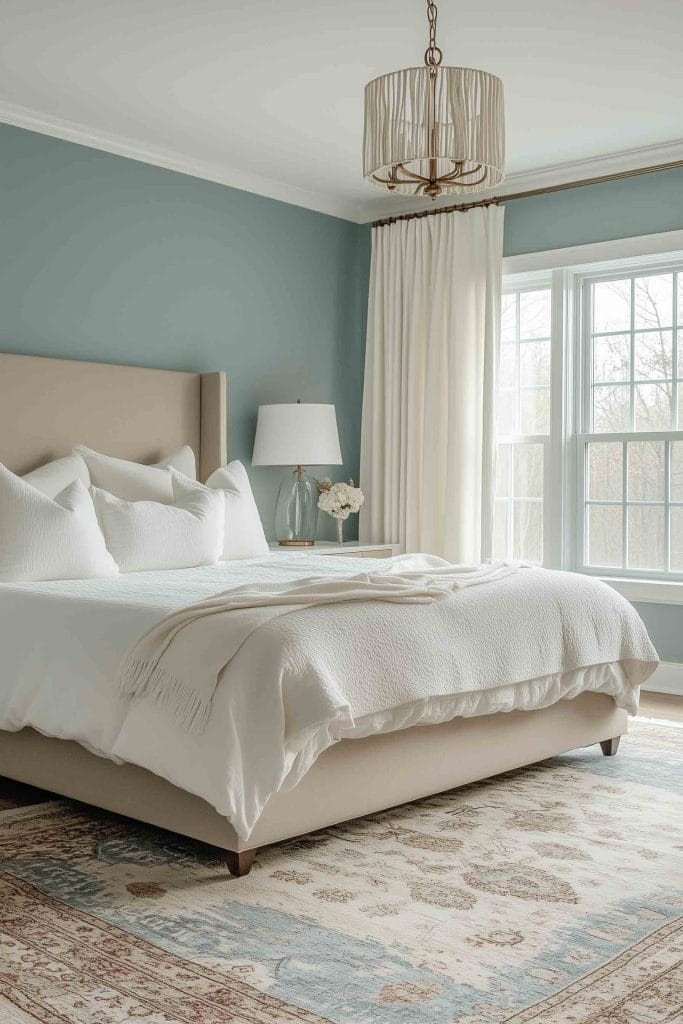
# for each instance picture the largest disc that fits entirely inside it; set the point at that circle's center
(427, 446)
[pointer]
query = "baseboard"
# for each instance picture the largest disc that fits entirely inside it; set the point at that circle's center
(667, 679)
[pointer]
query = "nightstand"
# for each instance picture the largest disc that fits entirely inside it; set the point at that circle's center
(351, 549)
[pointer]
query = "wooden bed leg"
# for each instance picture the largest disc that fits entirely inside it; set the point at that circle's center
(610, 747)
(239, 864)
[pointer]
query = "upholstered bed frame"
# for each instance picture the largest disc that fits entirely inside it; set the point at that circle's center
(49, 405)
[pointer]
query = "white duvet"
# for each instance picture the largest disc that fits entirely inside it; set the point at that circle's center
(62, 644)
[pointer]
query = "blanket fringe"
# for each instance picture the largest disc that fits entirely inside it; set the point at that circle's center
(147, 679)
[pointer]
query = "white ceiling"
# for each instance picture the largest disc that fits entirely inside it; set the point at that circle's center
(267, 95)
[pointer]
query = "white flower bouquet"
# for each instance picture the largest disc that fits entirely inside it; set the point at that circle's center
(339, 501)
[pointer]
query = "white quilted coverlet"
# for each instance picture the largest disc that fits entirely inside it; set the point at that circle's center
(62, 644)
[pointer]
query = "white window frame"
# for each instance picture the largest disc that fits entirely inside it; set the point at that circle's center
(567, 270)
(552, 442)
(584, 435)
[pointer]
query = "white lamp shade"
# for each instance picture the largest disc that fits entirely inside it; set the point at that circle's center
(296, 434)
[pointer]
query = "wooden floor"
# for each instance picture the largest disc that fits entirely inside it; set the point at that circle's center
(661, 705)
(652, 705)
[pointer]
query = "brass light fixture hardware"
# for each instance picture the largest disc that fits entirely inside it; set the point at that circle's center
(545, 191)
(432, 130)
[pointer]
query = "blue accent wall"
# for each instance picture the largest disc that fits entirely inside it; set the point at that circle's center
(644, 205)
(112, 260)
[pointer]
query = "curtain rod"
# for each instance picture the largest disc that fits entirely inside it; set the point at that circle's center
(495, 200)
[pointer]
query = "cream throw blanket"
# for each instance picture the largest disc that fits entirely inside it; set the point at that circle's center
(179, 661)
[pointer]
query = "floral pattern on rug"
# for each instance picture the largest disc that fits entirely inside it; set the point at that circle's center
(550, 895)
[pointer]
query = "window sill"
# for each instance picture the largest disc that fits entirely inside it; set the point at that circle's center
(647, 591)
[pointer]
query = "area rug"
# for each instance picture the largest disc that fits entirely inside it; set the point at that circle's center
(550, 895)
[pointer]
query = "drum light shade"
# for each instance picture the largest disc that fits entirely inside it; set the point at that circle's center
(440, 124)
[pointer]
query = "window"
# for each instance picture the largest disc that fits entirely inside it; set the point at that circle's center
(523, 422)
(590, 417)
(631, 445)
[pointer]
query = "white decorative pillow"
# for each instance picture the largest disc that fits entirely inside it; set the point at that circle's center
(134, 481)
(244, 536)
(183, 461)
(42, 538)
(152, 535)
(54, 476)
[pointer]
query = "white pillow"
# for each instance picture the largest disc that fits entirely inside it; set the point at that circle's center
(183, 461)
(244, 536)
(54, 476)
(42, 538)
(151, 535)
(134, 481)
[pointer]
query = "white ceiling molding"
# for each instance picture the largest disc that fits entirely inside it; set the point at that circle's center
(335, 206)
(132, 149)
(542, 177)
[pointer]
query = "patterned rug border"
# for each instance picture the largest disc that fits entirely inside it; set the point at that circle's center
(157, 955)
(611, 967)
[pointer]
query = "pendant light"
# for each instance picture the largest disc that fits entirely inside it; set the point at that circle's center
(433, 130)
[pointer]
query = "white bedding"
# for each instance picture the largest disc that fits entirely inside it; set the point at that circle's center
(62, 643)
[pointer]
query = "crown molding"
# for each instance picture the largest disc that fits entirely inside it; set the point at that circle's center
(541, 177)
(132, 149)
(347, 209)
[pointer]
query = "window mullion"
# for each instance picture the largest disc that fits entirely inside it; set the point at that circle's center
(518, 369)
(583, 414)
(624, 504)
(554, 520)
(674, 355)
(511, 503)
(667, 505)
(580, 554)
(632, 389)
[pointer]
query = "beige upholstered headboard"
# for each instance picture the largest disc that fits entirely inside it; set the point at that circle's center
(49, 405)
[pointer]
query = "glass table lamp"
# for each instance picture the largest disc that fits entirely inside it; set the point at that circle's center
(297, 434)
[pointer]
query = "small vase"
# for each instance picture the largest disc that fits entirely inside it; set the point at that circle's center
(340, 531)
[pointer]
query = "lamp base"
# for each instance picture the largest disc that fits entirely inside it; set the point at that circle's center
(296, 511)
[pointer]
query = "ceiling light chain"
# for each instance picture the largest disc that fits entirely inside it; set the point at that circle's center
(433, 55)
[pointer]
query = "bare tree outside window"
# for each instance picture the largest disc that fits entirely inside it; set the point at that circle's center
(523, 423)
(633, 485)
(590, 417)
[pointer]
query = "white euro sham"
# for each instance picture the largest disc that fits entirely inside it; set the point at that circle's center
(134, 481)
(142, 535)
(44, 538)
(244, 536)
(53, 477)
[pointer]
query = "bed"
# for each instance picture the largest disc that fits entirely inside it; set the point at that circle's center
(49, 405)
